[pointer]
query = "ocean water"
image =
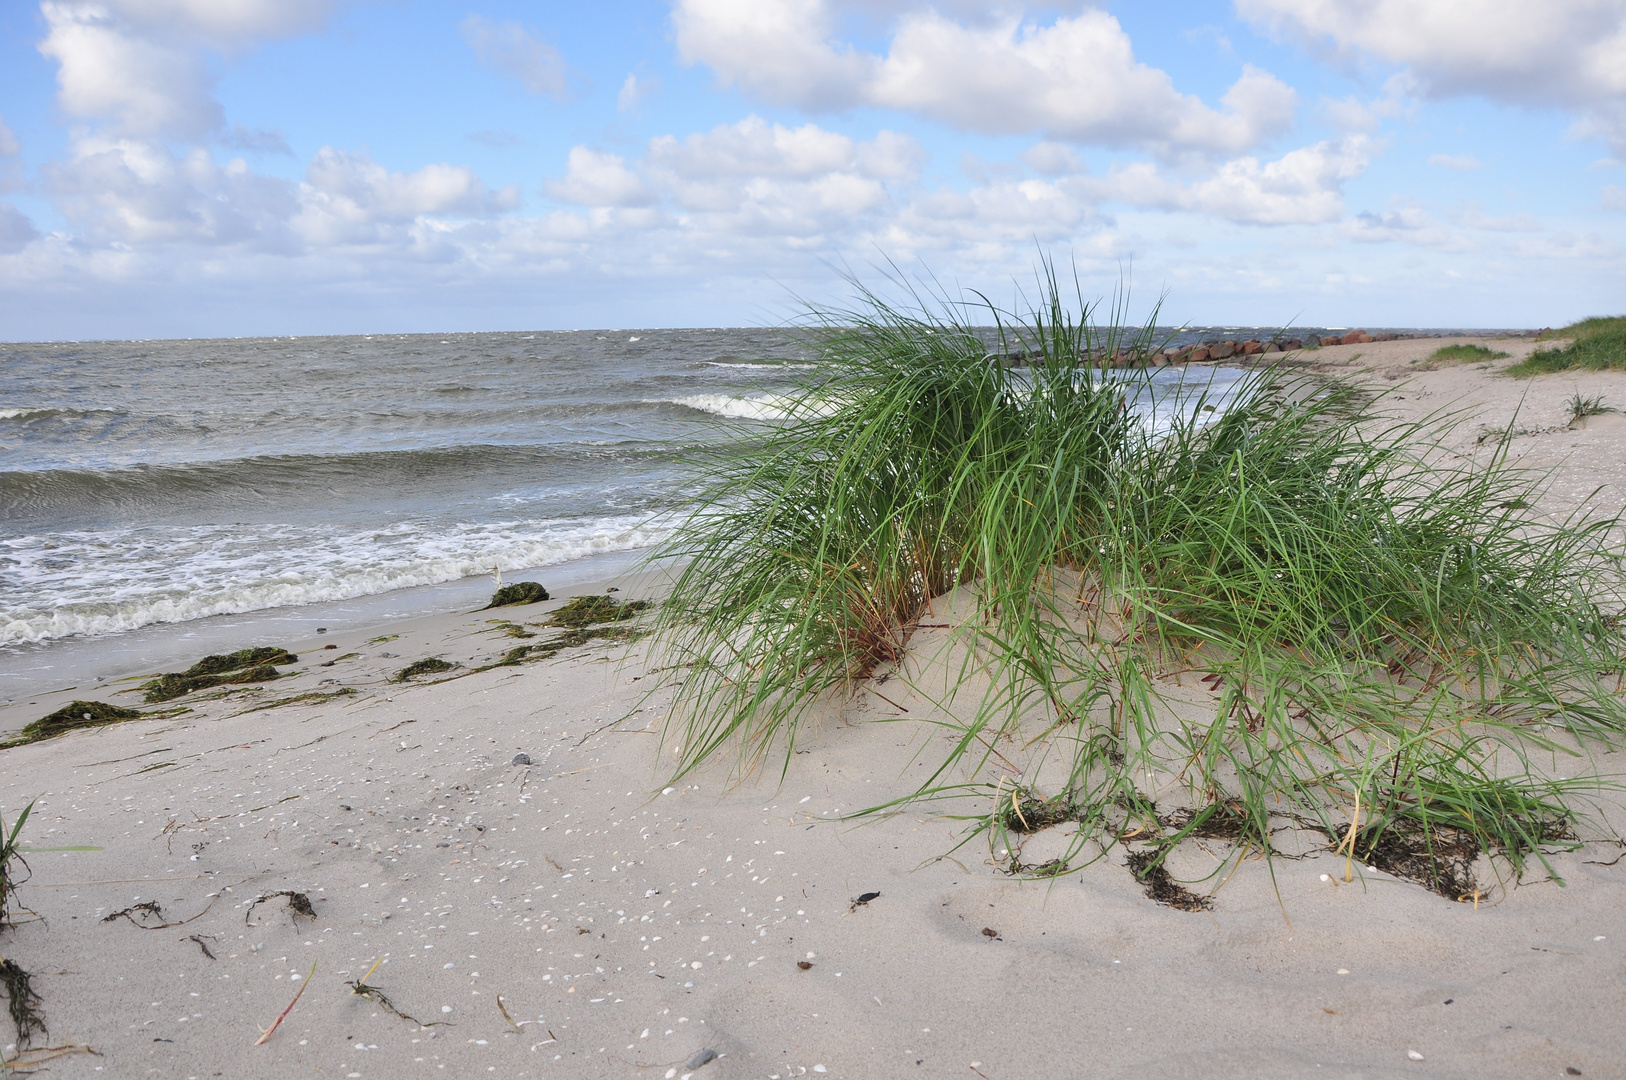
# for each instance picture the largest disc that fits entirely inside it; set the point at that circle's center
(147, 483)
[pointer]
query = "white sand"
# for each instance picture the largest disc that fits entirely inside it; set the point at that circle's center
(626, 929)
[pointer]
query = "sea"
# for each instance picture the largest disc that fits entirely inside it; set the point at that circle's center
(238, 490)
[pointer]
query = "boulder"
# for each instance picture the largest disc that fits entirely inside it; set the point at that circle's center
(1292, 345)
(1249, 348)
(1198, 355)
(1351, 338)
(1222, 351)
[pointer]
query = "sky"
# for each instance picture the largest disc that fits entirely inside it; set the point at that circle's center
(194, 168)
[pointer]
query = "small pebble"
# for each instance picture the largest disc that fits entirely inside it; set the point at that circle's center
(521, 759)
(701, 1058)
(1414, 1055)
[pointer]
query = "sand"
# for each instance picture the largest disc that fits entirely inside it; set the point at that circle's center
(627, 925)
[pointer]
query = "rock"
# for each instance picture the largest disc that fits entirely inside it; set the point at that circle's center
(1292, 345)
(1249, 348)
(1351, 338)
(521, 759)
(1272, 346)
(1198, 355)
(1312, 342)
(1221, 351)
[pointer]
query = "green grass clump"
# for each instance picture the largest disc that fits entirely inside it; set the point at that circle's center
(1582, 407)
(1461, 354)
(1594, 345)
(1373, 637)
(10, 858)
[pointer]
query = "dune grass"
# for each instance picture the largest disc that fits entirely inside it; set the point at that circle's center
(1389, 649)
(1460, 354)
(1594, 344)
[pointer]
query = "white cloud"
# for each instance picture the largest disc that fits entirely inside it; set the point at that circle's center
(593, 178)
(1612, 197)
(1052, 158)
(131, 191)
(1570, 53)
(16, 231)
(143, 87)
(1456, 162)
(349, 198)
(1075, 79)
(10, 163)
(1302, 187)
(635, 91)
(226, 23)
(515, 51)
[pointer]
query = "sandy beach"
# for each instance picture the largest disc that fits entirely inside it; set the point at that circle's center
(504, 845)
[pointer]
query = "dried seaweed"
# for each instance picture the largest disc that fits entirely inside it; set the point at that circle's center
(1147, 866)
(298, 903)
(24, 1002)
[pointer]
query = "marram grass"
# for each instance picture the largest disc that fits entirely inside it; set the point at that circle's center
(1391, 648)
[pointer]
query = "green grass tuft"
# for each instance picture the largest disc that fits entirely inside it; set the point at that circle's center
(1460, 354)
(1376, 637)
(1595, 344)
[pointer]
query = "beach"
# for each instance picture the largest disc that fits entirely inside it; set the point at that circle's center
(506, 845)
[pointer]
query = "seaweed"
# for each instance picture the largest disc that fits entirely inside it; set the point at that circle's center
(76, 714)
(430, 665)
(592, 609)
(24, 1002)
(1147, 866)
(362, 988)
(298, 903)
(136, 912)
(172, 685)
(520, 592)
(1440, 858)
(242, 658)
(570, 640)
(313, 697)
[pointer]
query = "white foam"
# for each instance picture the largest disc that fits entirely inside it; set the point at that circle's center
(757, 407)
(101, 583)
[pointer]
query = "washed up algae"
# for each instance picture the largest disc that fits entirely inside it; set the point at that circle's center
(76, 714)
(598, 608)
(243, 666)
(588, 618)
(429, 665)
(520, 592)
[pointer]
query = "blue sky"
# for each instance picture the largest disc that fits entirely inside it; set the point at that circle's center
(226, 167)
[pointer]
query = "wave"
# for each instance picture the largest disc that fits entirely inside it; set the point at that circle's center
(91, 584)
(27, 495)
(26, 413)
(756, 407)
(747, 365)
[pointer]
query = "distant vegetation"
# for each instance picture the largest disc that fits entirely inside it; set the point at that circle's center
(1594, 345)
(1461, 354)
